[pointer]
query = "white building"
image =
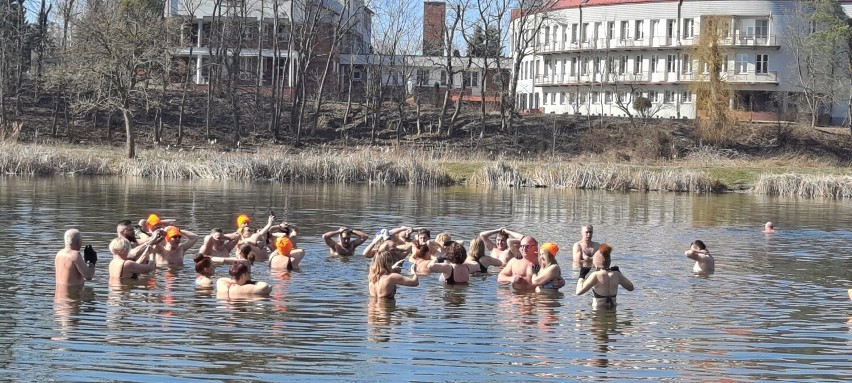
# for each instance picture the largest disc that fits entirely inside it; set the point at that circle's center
(590, 54)
(258, 37)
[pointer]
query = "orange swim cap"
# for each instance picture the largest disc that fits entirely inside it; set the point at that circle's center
(152, 221)
(284, 246)
(551, 248)
(242, 220)
(172, 231)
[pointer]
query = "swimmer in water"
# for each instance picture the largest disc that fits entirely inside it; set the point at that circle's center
(240, 283)
(604, 281)
(704, 262)
(585, 248)
(769, 228)
(385, 276)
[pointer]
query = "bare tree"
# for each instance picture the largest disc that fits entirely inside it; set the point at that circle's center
(190, 7)
(115, 48)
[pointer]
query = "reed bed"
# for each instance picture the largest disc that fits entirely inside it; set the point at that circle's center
(811, 186)
(329, 166)
(594, 176)
(35, 160)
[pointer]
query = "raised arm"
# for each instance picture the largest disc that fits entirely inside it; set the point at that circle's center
(372, 248)
(402, 280)
(327, 237)
(485, 236)
(439, 267)
(191, 240)
(362, 237)
(694, 255)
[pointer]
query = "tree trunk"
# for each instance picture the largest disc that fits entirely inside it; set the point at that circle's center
(184, 91)
(417, 111)
(128, 128)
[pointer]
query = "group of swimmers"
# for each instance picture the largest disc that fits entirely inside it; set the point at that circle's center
(138, 249)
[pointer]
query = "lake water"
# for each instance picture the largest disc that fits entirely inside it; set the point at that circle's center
(776, 309)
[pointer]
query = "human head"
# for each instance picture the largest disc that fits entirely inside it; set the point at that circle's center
(422, 252)
(586, 231)
(443, 238)
(173, 234)
(547, 254)
(152, 221)
(345, 236)
(502, 240)
(602, 258)
(73, 240)
(204, 265)
(455, 253)
(239, 271)
(477, 248)
(246, 252)
(243, 220)
(217, 236)
(125, 229)
(423, 236)
(284, 246)
(529, 248)
(699, 245)
(382, 264)
(120, 246)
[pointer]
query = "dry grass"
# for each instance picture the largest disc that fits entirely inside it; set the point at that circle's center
(595, 176)
(796, 185)
(36, 160)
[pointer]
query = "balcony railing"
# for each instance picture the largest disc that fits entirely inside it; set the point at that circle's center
(650, 42)
(649, 77)
(770, 77)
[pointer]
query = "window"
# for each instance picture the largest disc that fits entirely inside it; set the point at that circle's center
(688, 28)
(546, 70)
(654, 59)
(596, 30)
(585, 32)
(670, 63)
(686, 64)
(668, 97)
(685, 97)
(607, 97)
(655, 97)
(356, 75)
(585, 69)
(725, 64)
(622, 65)
(546, 35)
(610, 30)
(625, 30)
(553, 98)
(742, 63)
(443, 77)
(564, 33)
(761, 29)
(610, 65)
(596, 66)
(595, 98)
(471, 79)
(670, 29)
(570, 98)
(573, 33)
(637, 64)
(639, 30)
(761, 64)
(423, 77)
(573, 66)
(562, 98)
(583, 98)
(545, 99)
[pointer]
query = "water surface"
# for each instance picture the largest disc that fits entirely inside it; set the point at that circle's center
(776, 310)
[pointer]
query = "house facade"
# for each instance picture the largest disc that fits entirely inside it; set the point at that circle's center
(597, 56)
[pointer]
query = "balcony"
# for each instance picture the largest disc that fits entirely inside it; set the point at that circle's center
(733, 77)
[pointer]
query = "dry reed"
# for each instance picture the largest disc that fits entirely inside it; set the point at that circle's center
(594, 176)
(35, 160)
(794, 185)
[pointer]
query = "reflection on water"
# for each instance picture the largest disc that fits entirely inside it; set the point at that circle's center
(777, 308)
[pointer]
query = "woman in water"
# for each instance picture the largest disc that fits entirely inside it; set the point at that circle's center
(384, 276)
(240, 283)
(604, 281)
(454, 271)
(121, 268)
(477, 261)
(548, 275)
(204, 270)
(284, 256)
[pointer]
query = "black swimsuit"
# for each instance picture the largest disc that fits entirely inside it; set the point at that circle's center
(482, 268)
(609, 300)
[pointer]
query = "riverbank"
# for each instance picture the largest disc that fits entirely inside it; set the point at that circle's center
(699, 173)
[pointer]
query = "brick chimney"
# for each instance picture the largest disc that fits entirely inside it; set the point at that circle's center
(434, 18)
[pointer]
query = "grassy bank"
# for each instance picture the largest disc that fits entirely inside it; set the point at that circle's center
(391, 165)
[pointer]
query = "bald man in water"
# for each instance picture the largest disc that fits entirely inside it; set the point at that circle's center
(72, 268)
(584, 249)
(517, 271)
